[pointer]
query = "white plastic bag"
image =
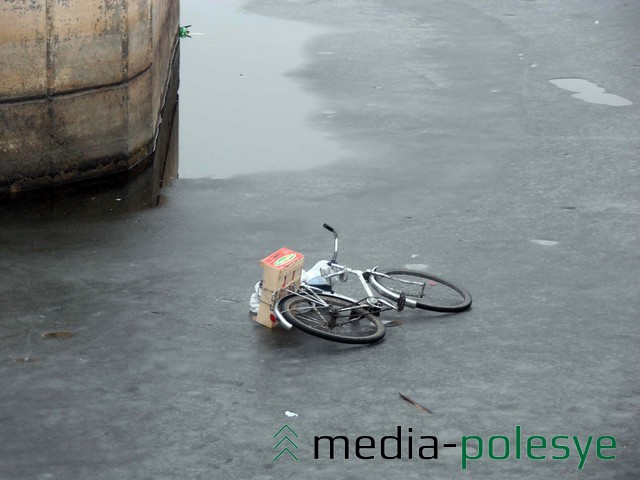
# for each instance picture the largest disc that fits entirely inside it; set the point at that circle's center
(317, 270)
(254, 302)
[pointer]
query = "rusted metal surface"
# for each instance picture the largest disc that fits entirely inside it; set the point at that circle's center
(81, 87)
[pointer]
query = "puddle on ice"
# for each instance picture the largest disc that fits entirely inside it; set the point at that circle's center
(545, 243)
(417, 266)
(239, 112)
(590, 92)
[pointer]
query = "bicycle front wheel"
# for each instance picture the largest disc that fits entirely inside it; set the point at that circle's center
(422, 290)
(332, 318)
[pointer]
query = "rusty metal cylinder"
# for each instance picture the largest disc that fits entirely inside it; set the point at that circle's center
(82, 86)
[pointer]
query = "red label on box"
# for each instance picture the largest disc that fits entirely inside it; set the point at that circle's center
(281, 258)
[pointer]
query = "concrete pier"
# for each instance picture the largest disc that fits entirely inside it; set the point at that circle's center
(82, 87)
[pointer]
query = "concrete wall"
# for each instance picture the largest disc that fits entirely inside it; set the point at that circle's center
(82, 83)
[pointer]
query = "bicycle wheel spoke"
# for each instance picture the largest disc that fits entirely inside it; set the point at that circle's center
(311, 319)
(304, 315)
(432, 292)
(426, 290)
(323, 321)
(332, 317)
(351, 320)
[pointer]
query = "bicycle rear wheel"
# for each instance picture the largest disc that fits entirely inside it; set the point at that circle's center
(422, 290)
(332, 318)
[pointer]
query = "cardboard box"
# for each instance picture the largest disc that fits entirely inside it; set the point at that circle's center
(265, 316)
(281, 269)
(268, 300)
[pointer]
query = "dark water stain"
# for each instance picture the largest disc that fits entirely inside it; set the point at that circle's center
(25, 359)
(59, 335)
(100, 199)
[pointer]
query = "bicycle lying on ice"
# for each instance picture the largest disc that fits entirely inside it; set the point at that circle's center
(316, 309)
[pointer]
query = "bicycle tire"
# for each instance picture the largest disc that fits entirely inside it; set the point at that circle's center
(439, 295)
(340, 320)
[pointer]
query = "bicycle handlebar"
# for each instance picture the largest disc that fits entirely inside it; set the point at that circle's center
(335, 243)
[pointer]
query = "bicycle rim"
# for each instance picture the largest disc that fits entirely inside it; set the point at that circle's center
(426, 291)
(332, 318)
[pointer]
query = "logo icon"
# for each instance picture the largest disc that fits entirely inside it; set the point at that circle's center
(285, 443)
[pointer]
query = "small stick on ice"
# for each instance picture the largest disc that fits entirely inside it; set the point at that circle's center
(414, 403)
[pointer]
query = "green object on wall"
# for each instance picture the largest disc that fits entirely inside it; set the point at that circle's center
(184, 31)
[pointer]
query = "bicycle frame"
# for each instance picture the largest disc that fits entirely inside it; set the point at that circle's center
(316, 309)
(342, 272)
(373, 300)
